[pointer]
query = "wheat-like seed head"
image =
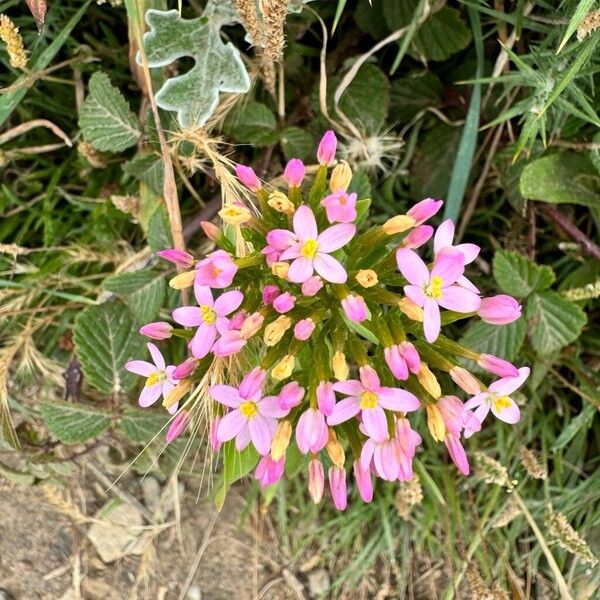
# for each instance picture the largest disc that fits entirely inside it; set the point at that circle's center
(9, 34)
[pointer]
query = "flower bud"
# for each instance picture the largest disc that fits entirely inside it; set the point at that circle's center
(238, 319)
(294, 172)
(251, 325)
(283, 369)
(213, 440)
(429, 381)
(234, 214)
(178, 257)
(281, 203)
(411, 310)
(464, 380)
(303, 329)
(281, 439)
(341, 176)
(398, 224)
(280, 269)
(337, 486)
(355, 308)
(363, 481)
(269, 293)
(178, 425)
(275, 331)
(499, 310)
(185, 369)
(316, 480)
(291, 395)
(325, 397)
(497, 365)
(211, 231)
(177, 393)
(269, 470)
(312, 285)
(158, 330)
(418, 236)
(340, 366)
(424, 210)
(334, 449)
(367, 278)
(183, 280)
(284, 302)
(248, 177)
(327, 147)
(435, 422)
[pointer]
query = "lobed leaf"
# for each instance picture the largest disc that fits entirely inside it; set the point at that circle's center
(518, 276)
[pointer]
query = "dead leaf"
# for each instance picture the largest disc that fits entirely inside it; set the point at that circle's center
(38, 10)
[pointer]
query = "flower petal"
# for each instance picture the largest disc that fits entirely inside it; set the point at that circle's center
(455, 297)
(203, 295)
(375, 423)
(398, 399)
(444, 236)
(292, 252)
(507, 385)
(449, 264)
(260, 433)
(228, 302)
(150, 394)
(230, 425)
(351, 387)
(157, 356)
(305, 225)
(203, 341)
(345, 409)
(300, 270)
(329, 268)
(188, 316)
(469, 251)
(509, 414)
(336, 237)
(412, 267)
(226, 395)
(431, 320)
(140, 367)
(414, 293)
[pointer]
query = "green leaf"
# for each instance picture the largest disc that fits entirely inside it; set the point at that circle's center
(141, 426)
(105, 339)
(361, 184)
(218, 67)
(253, 123)
(518, 276)
(412, 94)
(554, 321)
(143, 291)
(583, 8)
(582, 421)
(235, 466)
(561, 178)
(500, 340)
(74, 423)
(149, 169)
(159, 230)
(297, 143)
(105, 117)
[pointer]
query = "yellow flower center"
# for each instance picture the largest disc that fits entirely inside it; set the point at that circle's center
(343, 199)
(368, 400)
(434, 289)
(248, 409)
(155, 378)
(309, 248)
(501, 403)
(209, 316)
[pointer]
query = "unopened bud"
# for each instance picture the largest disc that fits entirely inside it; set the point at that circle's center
(281, 203)
(335, 450)
(283, 369)
(251, 325)
(429, 381)
(235, 214)
(211, 231)
(398, 224)
(413, 311)
(435, 422)
(281, 439)
(341, 176)
(367, 278)
(177, 393)
(183, 280)
(464, 380)
(275, 331)
(280, 269)
(340, 366)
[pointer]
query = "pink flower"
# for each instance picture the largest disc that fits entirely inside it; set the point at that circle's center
(340, 207)
(178, 257)
(383, 456)
(457, 453)
(418, 236)
(291, 395)
(178, 426)
(325, 397)
(497, 366)
(209, 316)
(499, 310)
(253, 417)
(269, 471)
(238, 319)
(355, 307)
(248, 177)
(281, 239)
(312, 286)
(159, 376)
(316, 480)
(294, 172)
(284, 303)
(369, 398)
(311, 431)
(456, 416)
(215, 444)
(424, 210)
(303, 329)
(230, 343)
(430, 290)
(157, 331)
(407, 440)
(271, 254)
(337, 486)
(444, 237)
(185, 369)
(327, 147)
(269, 293)
(401, 358)
(216, 270)
(311, 251)
(497, 399)
(363, 481)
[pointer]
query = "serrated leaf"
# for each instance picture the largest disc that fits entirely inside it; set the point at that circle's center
(252, 123)
(297, 143)
(143, 291)
(159, 230)
(561, 178)
(149, 169)
(141, 426)
(554, 321)
(409, 95)
(518, 276)
(74, 423)
(105, 117)
(504, 341)
(105, 339)
(218, 67)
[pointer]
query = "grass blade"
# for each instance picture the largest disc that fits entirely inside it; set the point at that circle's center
(582, 9)
(338, 14)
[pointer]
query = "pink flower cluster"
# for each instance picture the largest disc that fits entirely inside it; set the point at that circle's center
(342, 329)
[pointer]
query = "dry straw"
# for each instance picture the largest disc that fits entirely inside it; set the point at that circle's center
(590, 23)
(9, 34)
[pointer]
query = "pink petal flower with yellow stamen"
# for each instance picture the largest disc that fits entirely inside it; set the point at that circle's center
(497, 399)
(369, 398)
(340, 207)
(253, 417)
(216, 270)
(438, 288)
(209, 316)
(159, 377)
(311, 252)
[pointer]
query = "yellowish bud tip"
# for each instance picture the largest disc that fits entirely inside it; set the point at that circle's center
(283, 369)
(335, 450)
(281, 203)
(340, 366)
(411, 310)
(233, 214)
(281, 439)
(183, 280)
(177, 393)
(275, 331)
(435, 422)
(341, 176)
(398, 224)
(251, 325)
(367, 278)
(429, 381)
(280, 269)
